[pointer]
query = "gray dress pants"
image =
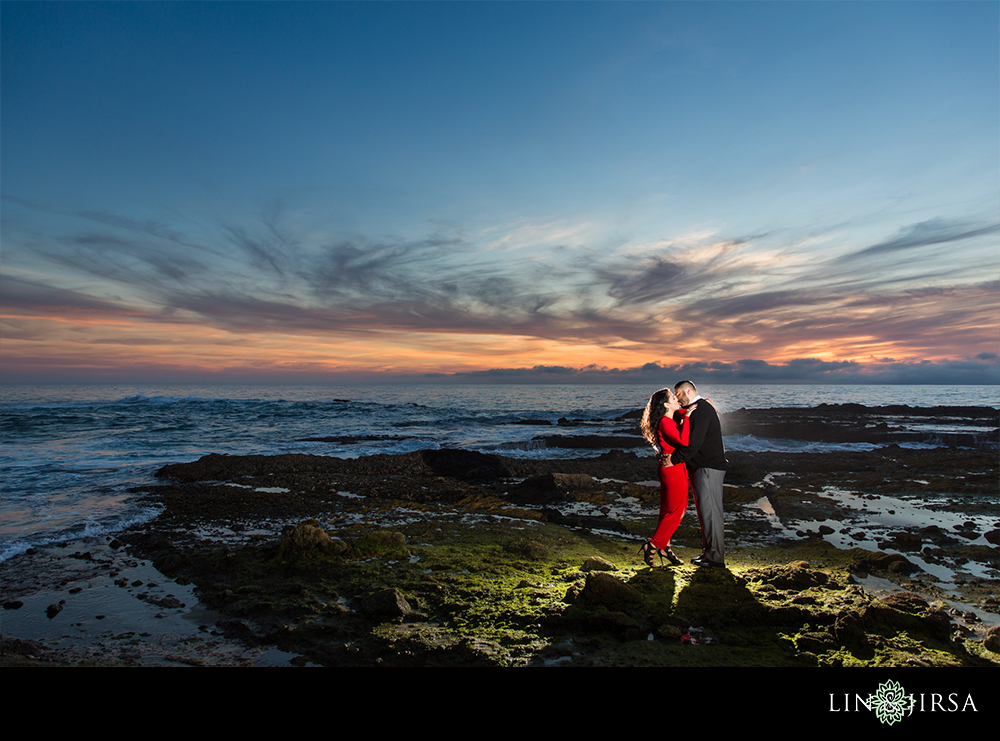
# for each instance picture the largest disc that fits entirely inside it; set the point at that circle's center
(707, 485)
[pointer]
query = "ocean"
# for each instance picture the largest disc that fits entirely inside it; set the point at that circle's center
(70, 453)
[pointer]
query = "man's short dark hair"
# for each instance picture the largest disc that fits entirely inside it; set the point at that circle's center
(678, 385)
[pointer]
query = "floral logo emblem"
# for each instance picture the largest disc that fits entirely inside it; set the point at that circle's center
(890, 702)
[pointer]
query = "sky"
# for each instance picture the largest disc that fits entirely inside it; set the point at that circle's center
(744, 192)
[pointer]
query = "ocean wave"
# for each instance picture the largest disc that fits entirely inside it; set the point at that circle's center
(751, 443)
(90, 528)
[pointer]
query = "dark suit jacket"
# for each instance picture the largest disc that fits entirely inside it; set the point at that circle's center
(704, 448)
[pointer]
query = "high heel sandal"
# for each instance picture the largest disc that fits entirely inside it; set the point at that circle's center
(647, 550)
(666, 553)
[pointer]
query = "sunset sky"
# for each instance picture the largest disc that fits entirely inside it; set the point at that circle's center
(606, 191)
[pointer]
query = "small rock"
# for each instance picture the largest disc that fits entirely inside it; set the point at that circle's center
(671, 632)
(907, 541)
(385, 602)
(596, 563)
(992, 642)
(879, 561)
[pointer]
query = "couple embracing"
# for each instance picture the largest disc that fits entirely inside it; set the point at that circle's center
(686, 432)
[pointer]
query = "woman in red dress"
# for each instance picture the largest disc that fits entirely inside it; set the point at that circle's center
(664, 432)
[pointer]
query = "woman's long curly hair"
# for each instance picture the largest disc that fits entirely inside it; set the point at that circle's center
(652, 415)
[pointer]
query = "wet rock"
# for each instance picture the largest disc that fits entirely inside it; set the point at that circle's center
(874, 562)
(906, 541)
(168, 602)
(385, 603)
(858, 423)
(21, 648)
(905, 602)
(604, 589)
(451, 463)
(52, 610)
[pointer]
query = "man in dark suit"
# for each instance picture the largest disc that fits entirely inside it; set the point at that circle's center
(705, 456)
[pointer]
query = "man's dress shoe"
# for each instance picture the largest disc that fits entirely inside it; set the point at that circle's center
(702, 561)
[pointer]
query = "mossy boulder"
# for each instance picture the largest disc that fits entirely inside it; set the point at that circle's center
(308, 539)
(530, 549)
(603, 588)
(379, 543)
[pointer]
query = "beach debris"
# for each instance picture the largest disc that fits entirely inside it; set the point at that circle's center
(696, 636)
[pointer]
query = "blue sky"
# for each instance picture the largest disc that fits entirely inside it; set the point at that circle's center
(754, 190)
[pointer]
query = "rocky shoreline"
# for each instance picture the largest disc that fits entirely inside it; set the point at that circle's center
(456, 558)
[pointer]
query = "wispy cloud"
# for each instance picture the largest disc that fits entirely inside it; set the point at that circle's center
(691, 297)
(928, 233)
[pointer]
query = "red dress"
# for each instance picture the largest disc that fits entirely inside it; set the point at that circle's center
(673, 481)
